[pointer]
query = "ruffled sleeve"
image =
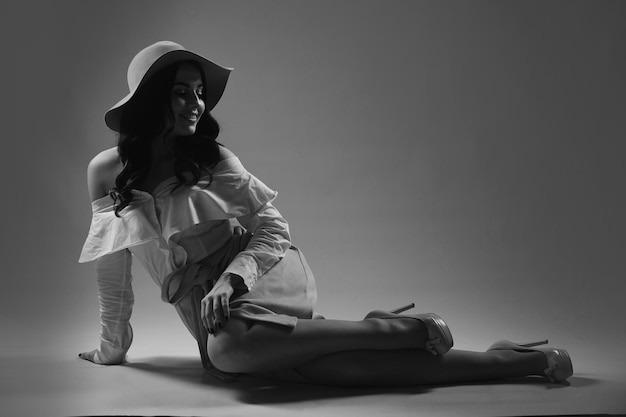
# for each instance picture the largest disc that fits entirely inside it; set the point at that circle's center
(270, 241)
(230, 192)
(115, 295)
(108, 233)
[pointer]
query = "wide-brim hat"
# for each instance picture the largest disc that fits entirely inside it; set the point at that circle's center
(157, 56)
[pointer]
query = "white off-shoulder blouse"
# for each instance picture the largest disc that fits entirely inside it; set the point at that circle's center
(174, 227)
(168, 229)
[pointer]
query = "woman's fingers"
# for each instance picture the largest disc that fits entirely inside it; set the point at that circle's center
(225, 309)
(88, 356)
(220, 309)
(207, 314)
(214, 309)
(214, 312)
(217, 306)
(203, 312)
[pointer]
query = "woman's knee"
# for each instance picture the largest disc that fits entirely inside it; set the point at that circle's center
(227, 349)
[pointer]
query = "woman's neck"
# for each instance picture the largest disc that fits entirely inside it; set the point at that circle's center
(160, 153)
(161, 160)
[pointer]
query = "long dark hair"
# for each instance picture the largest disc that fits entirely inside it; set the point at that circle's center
(143, 120)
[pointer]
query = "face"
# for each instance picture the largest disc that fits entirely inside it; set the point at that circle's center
(187, 99)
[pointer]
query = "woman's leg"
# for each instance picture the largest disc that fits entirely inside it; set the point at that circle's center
(414, 367)
(265, 347)
(371, 352)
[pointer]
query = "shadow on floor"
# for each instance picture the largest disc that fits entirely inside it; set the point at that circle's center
(257, 390)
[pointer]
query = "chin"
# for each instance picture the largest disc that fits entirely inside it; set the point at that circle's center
(185, 132)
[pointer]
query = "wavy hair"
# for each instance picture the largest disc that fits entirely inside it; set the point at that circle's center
(143, 120)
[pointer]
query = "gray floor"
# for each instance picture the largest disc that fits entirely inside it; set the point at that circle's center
(164, 377)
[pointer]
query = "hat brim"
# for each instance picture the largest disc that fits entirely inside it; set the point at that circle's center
(216, 77)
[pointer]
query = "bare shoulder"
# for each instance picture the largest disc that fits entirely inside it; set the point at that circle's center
(101, 173)
(226, 153)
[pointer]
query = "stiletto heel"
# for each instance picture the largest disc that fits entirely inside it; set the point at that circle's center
(402, 309)
(439, 337)
(559, 362)
(520, 347)
(539, 343)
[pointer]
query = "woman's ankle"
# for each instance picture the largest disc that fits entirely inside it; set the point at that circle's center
(401, 332)
(530, 363)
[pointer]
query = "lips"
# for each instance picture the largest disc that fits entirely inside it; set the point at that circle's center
(192, 118)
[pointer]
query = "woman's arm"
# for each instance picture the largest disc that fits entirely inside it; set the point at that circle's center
(270, 241)
(115, 295)
(268, 245)
(113, 274)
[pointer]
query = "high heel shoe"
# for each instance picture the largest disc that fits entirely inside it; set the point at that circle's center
(439, 337)
(559, 362)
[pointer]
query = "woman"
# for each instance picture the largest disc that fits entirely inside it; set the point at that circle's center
(208, 233)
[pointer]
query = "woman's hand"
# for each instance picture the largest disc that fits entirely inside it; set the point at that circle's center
(98, 357)
(88, 356)
(214, 308)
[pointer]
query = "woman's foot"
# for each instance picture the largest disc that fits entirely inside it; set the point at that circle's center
(558, 362)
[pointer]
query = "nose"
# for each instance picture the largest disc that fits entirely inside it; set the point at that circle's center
(194, 100)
